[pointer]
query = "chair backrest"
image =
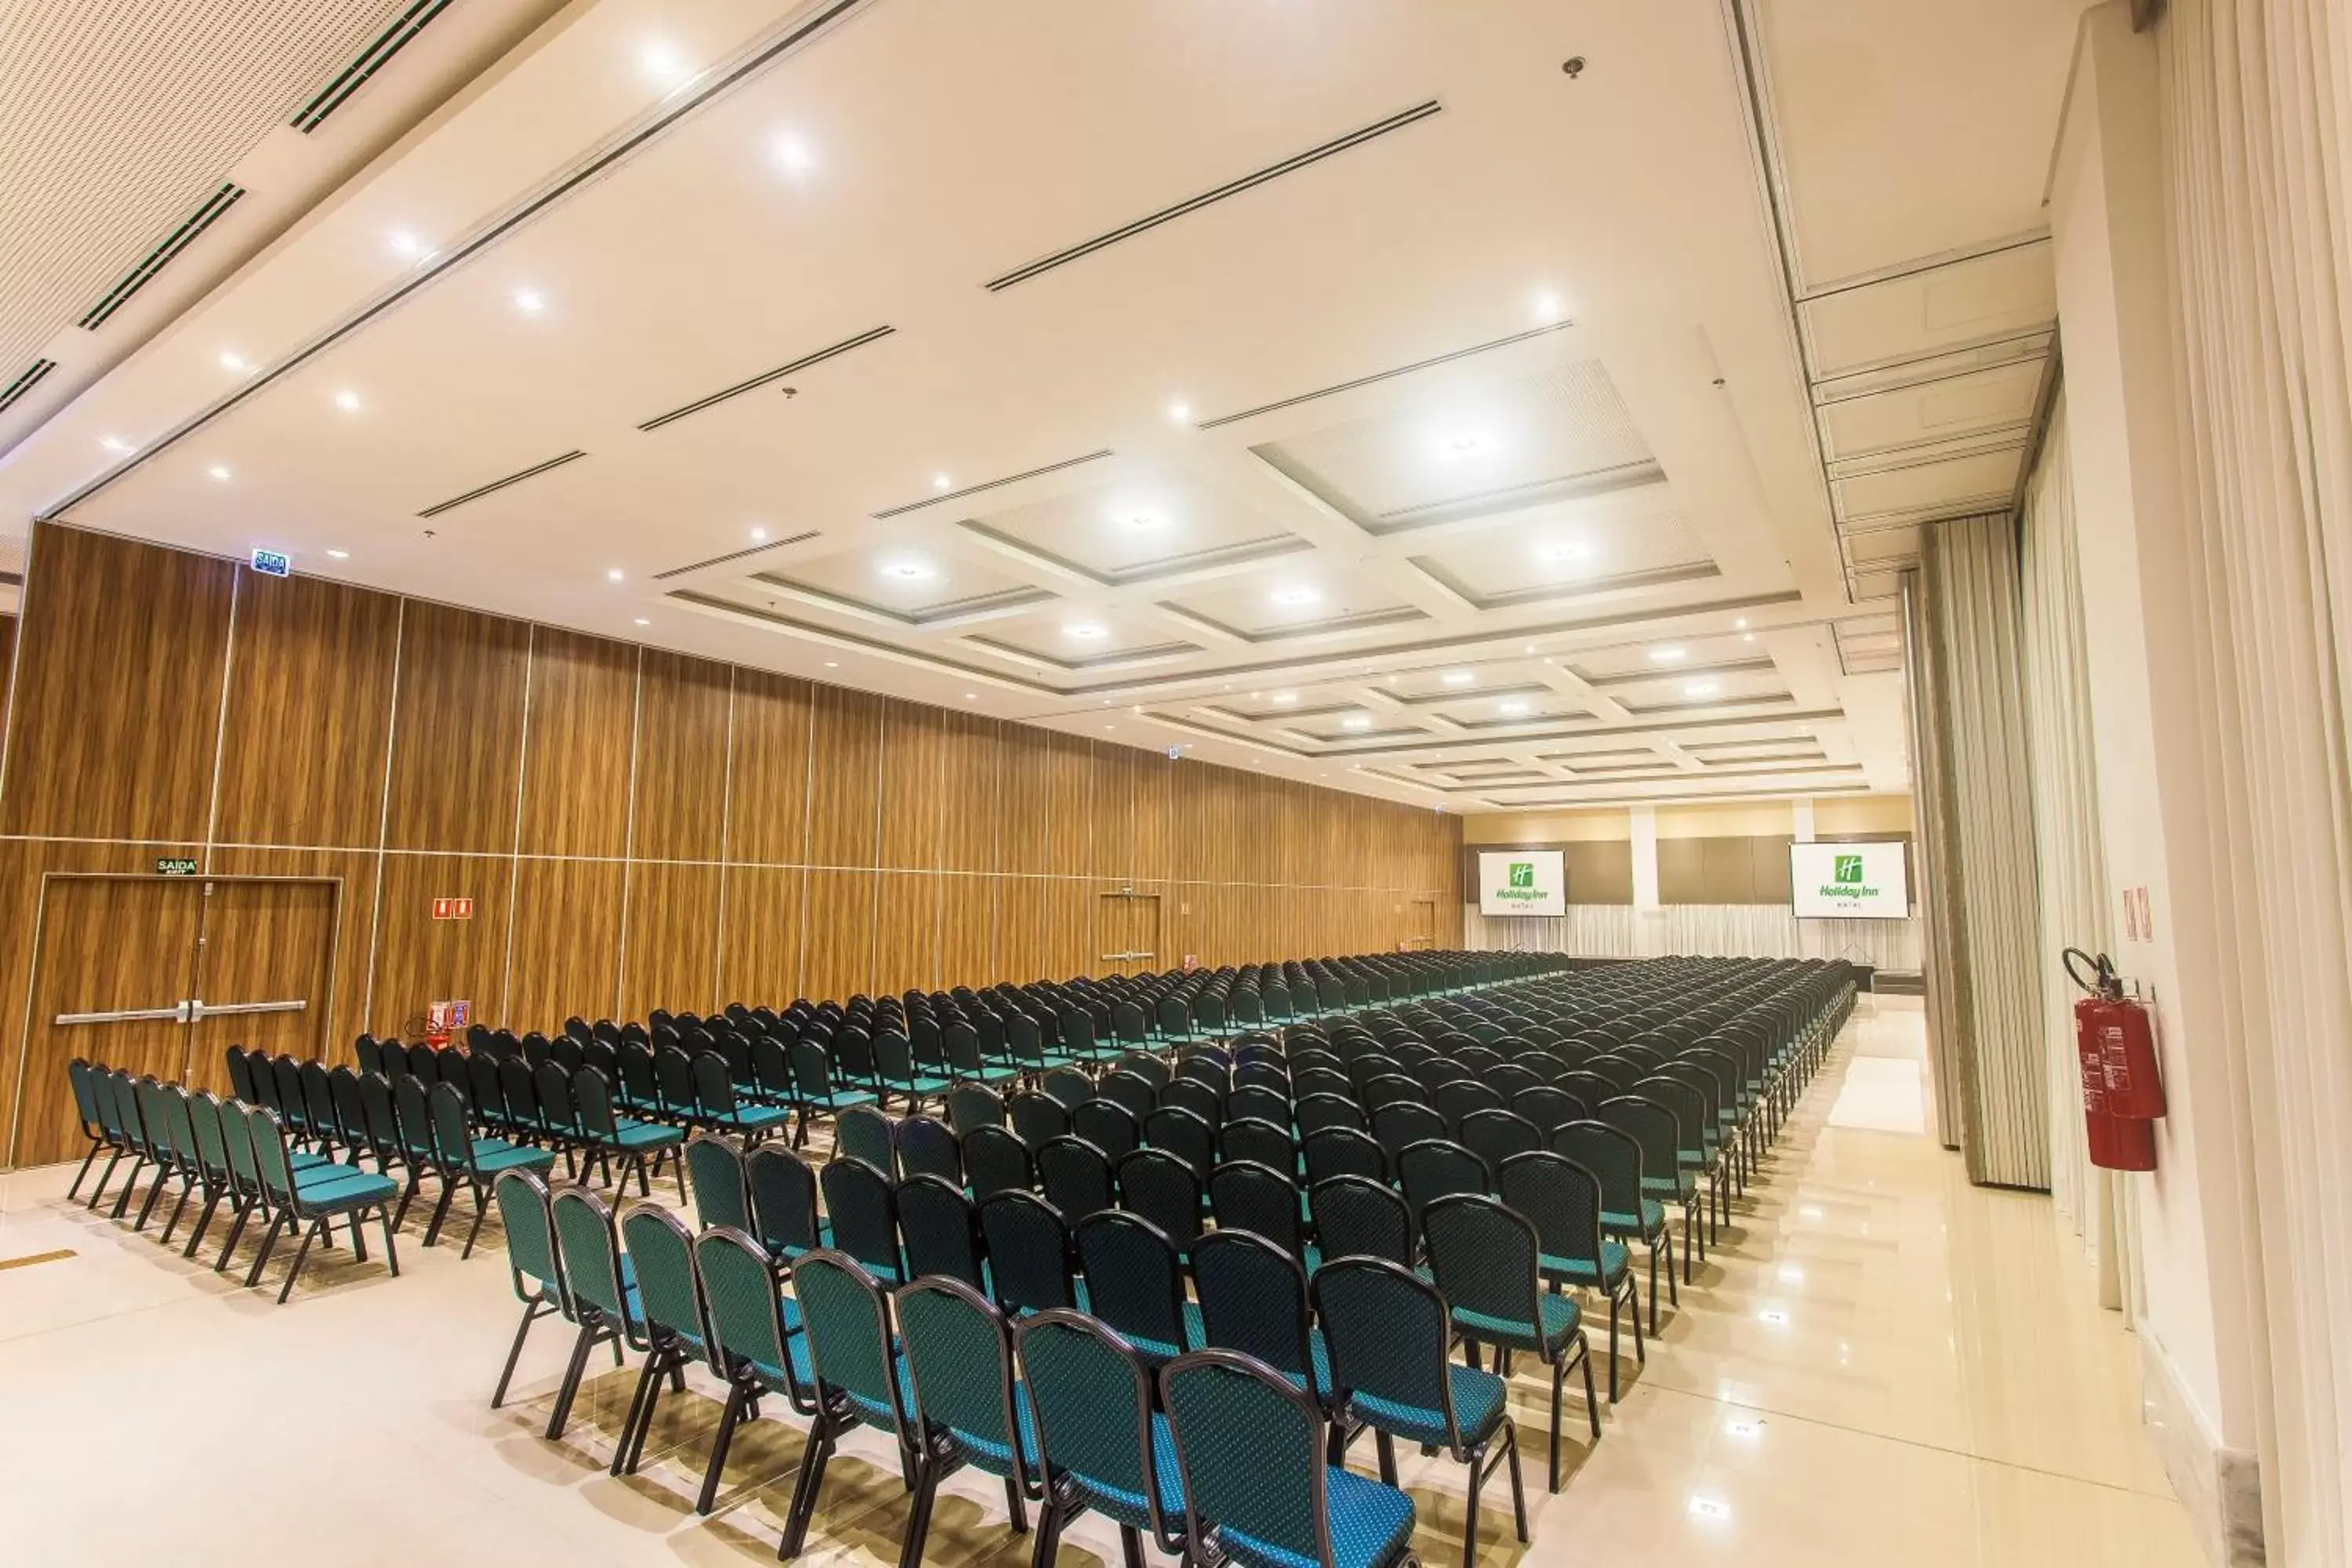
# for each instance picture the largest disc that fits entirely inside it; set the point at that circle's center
(1652, 1126)
(205, 1127)
(1164, 1189)
(864, 1133)
(722, 1193)
(1268, 1143)
(412, 1107)
(1388, 1330)
(714, 1086)
(522, 1198)
(1611, 1154)
(1547, 1109)
(1134, 1280)
(1090, 1394)
(240, 1081)
(550, 1080)
(1254, 1298)
(589, 1244)
(864, 1225)
(938, 1230)
(1496, 1135)
(1561, 1199)
(927, 1147)
(1067, 1087)
(1250, 1446)
(847, 1316)
(318, 1099)
(1343, 1151)
(1037, 1118)
(1189, 1137)
(746, 1310)
(1463, 1098)
(1076, 1175)
(1484, 1258)
(784, 1200)
(518, 1087)
(1436, 1168)
(453, 1140)
(1245, 1195)
(1196, 1095)
(1257, 1102)
(995, 1161)
(1028, 1252)
(1108, 1126)
(1401, 1124)
(973, 1105)
(1361, 1217)
(959, 1361)
(669, 1292)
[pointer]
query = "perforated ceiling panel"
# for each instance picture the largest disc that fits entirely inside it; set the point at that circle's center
(117, 122)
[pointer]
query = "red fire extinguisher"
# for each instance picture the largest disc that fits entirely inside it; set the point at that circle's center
(2115, 1044)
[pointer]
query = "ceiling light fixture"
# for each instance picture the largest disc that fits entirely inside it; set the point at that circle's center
(794, 155)
(660, 62)
(1086, 631)
(1285, 699)
(1573, 550)
(1180, 411)
(1514, 708)
(1701, 689)
(231, 360)
(1740, 625)
(530, 301)
(940, 481)
(1144, 519)
(759, 535)
(1668, 655)
(1549, 307)
(614, 575)
(642, 622)
(1358, 722)
(909, 571)
(1292, 596)
(833, 664)
(1458, 677)
(340, 554)
(218, 471)
(406, 244)
(1529, 648)
(971, 697)
(114, 443)
(348, 401)
(1467, 444)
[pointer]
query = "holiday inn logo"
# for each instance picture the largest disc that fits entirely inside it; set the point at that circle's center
(1519, 883)
(1523, 874)
(1848, 869)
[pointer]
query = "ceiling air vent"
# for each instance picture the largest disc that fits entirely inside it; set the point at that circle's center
(178, 240)
(1356, 138)
(873, 335)
(26, 382)
(946, 496)
(395, 37)
(735, 555)
(437, 508)
(1392, 374)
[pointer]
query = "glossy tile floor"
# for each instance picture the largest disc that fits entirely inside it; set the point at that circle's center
(1880, 1365)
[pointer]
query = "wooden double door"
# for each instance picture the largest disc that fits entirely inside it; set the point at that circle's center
(160, 974)
(1127, 929)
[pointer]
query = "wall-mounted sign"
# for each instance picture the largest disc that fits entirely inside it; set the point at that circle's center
(175, 865)
(273, 563)
(453, 908)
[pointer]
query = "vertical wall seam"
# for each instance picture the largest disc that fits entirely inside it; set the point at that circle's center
(514, 847)
(383, 809)
(629, 837)
(726, 828)
(220, 717)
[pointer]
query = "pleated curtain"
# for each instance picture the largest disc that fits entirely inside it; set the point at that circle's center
(1982, 904)
(2257, 131)
(2069, 844)
(1713, 931)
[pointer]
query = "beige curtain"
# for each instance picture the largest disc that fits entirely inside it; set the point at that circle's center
(2069, 845)
(1983, 920)
(2258, 154)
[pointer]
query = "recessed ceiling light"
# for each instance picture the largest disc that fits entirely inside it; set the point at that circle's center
(1668, 655)
(1467, 444)
(231, 360)
(909, 571)
(1773, 1316)
(1285, 699)
(348, 401)
(660, 62)
(218, 471)
(1086, 631)
(1710, 1508)
(833, 664)
(1458, 677)
(1740, 625)
(1514, 707)
(114, 443)
(1110, 726)
(971, 697)
(614, 575)
(759, 535)
(1573, 550)
(1549, 307)
(940, 481)
(1393, 680)
(406, 244)
(642, 622)
(794, 154)
(1144, 519)
(1297, 595)
(1358, 722)
(340, 554)
(1748, 636)
(530, 301)
(1180, 410)
(1701, 689)
(1747, 1427)
(1529, 648)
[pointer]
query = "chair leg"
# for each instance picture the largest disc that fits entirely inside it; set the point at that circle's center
(1591, 1405)
(261, 1254)
(359, 1238)
(440, 1209)
(1016, 1506)
(736, 1400)
(1559, 1377)
(1049, 1536)
(154, 1191)
(805, 1489)
(300, 1253)
(1385, 1446)
(1612, 1346)
(73, 1191)
(1641, 1353)
(641, 1409)
(570, 1387)
(391, 1255)
(482, 1212)
(240, 1211)
(105, 1176)
(918, 1520)
(204, 1221)
(530, 1314)
(1470, 1510)
(1519, 1488)
(129, 1185)
(187, 1189)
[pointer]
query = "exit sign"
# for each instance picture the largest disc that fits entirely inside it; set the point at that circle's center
(175, 865)
(273, 563)
(453, 908)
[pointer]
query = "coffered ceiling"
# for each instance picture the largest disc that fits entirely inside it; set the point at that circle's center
(1342, 388)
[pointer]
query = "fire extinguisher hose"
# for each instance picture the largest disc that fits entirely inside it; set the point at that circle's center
(2102, 981)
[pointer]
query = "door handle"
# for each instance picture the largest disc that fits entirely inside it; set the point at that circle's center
(177, 1013)
(202, 1009)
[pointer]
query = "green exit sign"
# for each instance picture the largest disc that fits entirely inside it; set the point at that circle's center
(175, 865)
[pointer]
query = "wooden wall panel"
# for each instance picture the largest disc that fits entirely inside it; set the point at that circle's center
(567, 943)
(760, 941)
(1069, 778)
(1111, 812)
(972, 814)
(967, 930)
(1155, 817)
(915, 741)
(906, 930)
(356, 868)
(671, 960)
(845, 777)
(1023, 785)
(118, 699)
(837, 946)
(458, 734)
(310, 713)
(583, 706)
(768, 792)
(1021, 953)
(682, 793)
(419, 959)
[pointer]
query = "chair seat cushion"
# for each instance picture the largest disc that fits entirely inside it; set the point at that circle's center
(629, 1134)
(1652, 1219)
(1159, 1351)
(353, 1189)
(1128, 1508)
(1478, 1404)
(1615, 1259)
(752, 1118)
(492, 1155)
(1371, 1526)
(1560, 1318)
(992, 1456)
